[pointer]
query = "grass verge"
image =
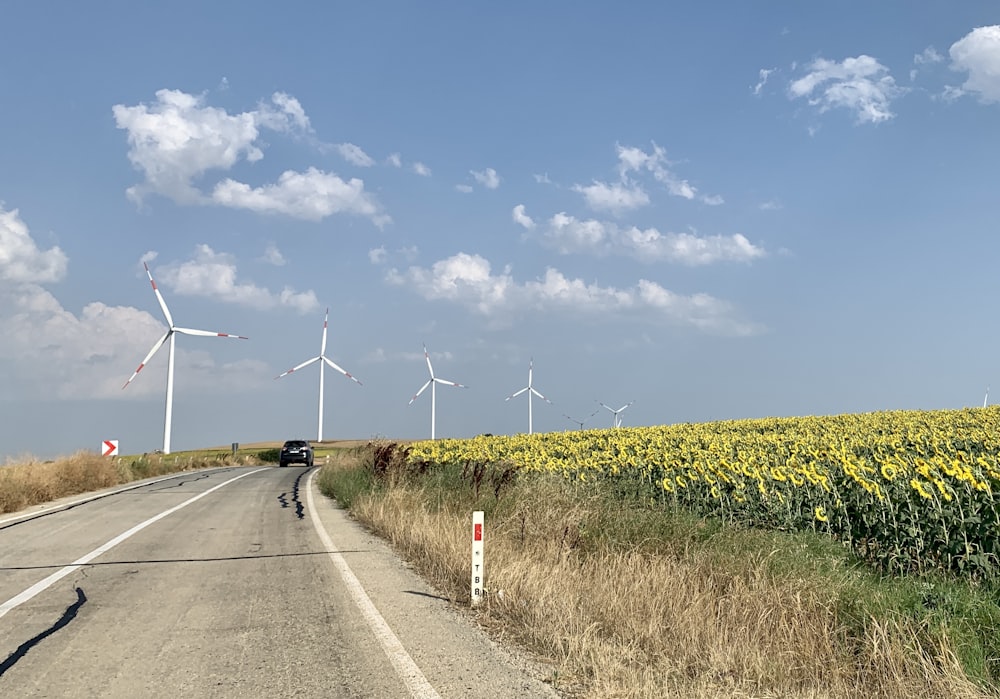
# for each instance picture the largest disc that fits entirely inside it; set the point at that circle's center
(32, 482)
(627, 600)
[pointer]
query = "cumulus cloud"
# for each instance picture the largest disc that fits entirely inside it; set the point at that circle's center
(978, 54)
(354, 155)
(179, 140)
(567, 235)
(377, 256)
(272, 255)
(521, 218)
(860, 84)
(468, 280)
(395, 160)
(463, 188)
(487, 178)
(635, 159)
(616, 197)
(21, 260)
(214, 275)
(763, 74)
(311, 195)
(421, 169)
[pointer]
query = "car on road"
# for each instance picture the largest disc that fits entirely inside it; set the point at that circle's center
(296, 451)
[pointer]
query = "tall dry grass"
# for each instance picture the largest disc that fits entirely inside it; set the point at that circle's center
(32, 482)
(620, 622)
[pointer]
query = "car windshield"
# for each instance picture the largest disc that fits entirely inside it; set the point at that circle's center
(296, 445)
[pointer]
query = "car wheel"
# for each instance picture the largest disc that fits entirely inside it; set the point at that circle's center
(310, 464)
(282, 464)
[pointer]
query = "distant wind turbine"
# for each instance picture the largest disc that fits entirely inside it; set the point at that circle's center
(530, 389)
(581, 422)
(987, 396)
(322, 359)
(172, 331)
(616, 414)
(433, 381)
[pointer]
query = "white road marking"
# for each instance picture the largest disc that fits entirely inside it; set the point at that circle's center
(67, 505)
(407, 670)
(43, 585)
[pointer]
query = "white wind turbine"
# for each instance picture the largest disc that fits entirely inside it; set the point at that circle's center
(530, 389)
(433, 381)
(987, 397)
(322, 359)
(617, 414)
(581, 422)
(172, 331)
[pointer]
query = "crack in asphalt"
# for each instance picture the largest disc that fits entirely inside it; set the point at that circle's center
(67, 616)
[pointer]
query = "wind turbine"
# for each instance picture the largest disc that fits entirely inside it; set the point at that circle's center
(433, 381)
(987, 397)
(530, 389)
(172, 331)
(617, 414)
(580, 422)
(322, 359)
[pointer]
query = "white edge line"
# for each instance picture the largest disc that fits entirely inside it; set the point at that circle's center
(407, 670)
(43, 585)
(103, 494)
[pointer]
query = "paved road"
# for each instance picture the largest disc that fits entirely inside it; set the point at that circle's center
(222, 583)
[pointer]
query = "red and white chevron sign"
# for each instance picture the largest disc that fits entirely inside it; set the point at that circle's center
(109, 447)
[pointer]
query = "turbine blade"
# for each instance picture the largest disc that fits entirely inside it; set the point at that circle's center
(345, 373)
(159, 297)
(158, 345)
(624, 406)
(428, 358)
(322, 347)
(207, 333)
(515, 395)
(296, 368)
(448, 383)
(607, 407)
(541, 396)
(420, 391)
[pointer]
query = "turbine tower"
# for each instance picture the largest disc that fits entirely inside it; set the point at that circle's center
(433, 381)
(530, 389)
(172, 331)
(987, 396)
(616, 420)
(322, 359)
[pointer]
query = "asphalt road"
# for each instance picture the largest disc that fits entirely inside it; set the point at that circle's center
(234, 582)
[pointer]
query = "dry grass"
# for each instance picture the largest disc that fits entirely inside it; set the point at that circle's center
(32, 482)
(636, 623)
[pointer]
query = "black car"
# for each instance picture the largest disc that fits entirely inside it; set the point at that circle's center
(296, 451)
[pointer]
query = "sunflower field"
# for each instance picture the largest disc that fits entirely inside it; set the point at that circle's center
(909, 491)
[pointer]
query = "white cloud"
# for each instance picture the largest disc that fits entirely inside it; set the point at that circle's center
(214, 275)
(635, 159)
(180, 139)
(764, 74)
(927, 56)
(468, 280)
(354, 155)
(542, 178)
(521, 218)
(770, 205)
(713, 200)
(488, 177)
(978, 54)
(463, 188)
(312, 195)
(616, 198)
(421, 169)
(861, 85)
(20, 258)
(377, 256)
(395, 160)
(567, 235)
(272, 255)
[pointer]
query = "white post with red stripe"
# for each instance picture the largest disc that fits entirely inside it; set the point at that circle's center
(477, 558)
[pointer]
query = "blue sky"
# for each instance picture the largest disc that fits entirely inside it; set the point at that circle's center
(719, 211)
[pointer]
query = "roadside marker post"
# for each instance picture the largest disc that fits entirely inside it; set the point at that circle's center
(109, 447)
(477, 558)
